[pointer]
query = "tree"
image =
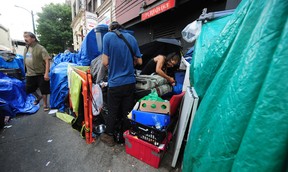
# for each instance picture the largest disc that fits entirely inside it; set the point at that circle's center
(53, 30)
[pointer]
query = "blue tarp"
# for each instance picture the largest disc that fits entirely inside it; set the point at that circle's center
(91, 48)
(13, 98)
(59, 86)
(16, 63)
(65, 57)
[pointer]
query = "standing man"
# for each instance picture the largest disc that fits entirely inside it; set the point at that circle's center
(121, 79)
(37, 65)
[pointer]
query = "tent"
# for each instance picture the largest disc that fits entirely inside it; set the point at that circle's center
(240, 74)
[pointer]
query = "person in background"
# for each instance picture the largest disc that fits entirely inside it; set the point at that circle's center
(37, 65)
(159, 64)
(69, 50)
(121, 78)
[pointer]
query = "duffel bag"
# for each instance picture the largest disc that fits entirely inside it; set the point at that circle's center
(147, 82)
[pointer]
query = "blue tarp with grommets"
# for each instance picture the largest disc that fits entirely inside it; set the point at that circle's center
(241, 76)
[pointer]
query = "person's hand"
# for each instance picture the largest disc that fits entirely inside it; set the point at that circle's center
(135, 61)
(171, 81)
(46, 77)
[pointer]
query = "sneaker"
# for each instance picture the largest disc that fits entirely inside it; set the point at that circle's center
(108, 140)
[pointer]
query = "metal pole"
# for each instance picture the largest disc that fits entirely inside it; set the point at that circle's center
(33, 22)
(31, 15)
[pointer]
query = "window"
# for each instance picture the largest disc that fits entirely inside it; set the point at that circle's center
(89, 6)
(74, 9)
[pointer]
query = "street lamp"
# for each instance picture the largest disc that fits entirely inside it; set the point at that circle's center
(31, 15)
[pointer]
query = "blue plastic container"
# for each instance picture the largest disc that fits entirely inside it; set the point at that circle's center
(151, 119)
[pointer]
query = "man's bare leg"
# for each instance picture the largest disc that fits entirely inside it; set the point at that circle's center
(45, 104)
(37, 96)
(45, 100)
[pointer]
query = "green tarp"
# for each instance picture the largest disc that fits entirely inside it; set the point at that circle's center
(241, 76)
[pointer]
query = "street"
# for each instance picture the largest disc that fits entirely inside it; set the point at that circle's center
(42, 142)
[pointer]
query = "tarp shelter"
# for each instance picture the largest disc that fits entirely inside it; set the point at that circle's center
(92, 45)
(241, 76)
(90, 49)
(13, 98)
(14, 61)
(59, 85)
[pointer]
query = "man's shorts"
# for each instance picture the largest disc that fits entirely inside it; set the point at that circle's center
(34, 82)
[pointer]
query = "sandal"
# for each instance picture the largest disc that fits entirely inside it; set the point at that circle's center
(46, 108)
(36, 102)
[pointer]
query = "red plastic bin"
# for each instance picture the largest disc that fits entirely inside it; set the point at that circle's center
(145, 151)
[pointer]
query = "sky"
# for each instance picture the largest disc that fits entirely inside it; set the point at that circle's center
(19, 20)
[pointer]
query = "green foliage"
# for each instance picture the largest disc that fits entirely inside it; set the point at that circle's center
(53, 28)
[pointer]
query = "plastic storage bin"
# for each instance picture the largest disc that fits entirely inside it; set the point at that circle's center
(144, 151)
(150, 118)
(146, 133)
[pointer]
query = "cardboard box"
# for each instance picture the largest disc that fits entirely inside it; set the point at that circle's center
(154, 106)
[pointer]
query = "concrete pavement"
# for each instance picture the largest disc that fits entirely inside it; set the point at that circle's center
(42, 142)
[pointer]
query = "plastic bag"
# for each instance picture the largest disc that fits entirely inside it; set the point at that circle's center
(97, 101)
(192, 31)
(153, 96)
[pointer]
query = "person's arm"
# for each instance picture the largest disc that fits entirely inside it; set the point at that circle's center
(47, 68)
(137, 54)
(138, 61)
(46, 58)
(160, 60)
(105, 60)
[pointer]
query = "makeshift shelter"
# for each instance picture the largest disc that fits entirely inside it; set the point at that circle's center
(240, 74)
(91, 48)
(13, 98)
(92, 45)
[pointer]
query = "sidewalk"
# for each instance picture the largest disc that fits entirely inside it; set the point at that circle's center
(42, 142)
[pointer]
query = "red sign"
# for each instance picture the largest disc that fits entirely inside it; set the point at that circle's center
(158, 9)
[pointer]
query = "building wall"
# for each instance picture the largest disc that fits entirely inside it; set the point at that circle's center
(126, 10)
(78, 21)
(170, 23)
(104, 11)
(78, 30)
